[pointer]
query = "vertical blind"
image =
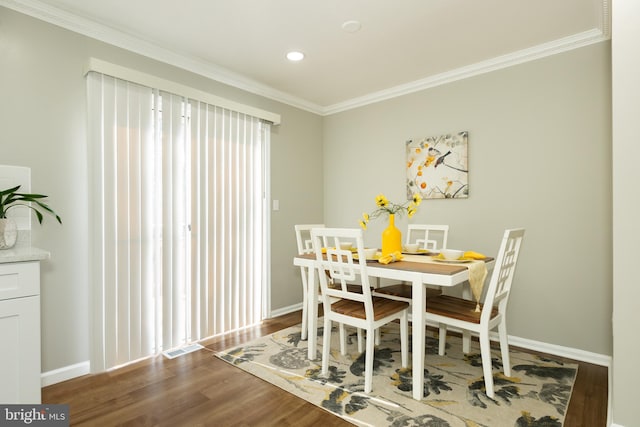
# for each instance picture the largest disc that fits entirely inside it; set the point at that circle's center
(178, 220)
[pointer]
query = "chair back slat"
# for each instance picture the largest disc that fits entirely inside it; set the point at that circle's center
(303, 237)
(428, 236)
(502, 277)
(341, 266)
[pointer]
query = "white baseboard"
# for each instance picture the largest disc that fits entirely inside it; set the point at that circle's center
(64, 373)
(558, 350)
(285, 310)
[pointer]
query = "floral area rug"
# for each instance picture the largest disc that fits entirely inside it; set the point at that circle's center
(537, 393)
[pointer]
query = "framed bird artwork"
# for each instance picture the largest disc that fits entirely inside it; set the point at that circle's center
(438, 167)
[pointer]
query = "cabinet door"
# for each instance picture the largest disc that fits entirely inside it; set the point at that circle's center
(20, 354)
(19, 279)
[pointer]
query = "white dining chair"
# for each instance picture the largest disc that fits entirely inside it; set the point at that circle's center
(460, 313)
(305, 246)
(357, 309)
(428, 236)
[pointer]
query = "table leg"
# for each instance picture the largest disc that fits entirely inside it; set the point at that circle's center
(418, 337)
(312, 311)
(466, 335)
(305, 303)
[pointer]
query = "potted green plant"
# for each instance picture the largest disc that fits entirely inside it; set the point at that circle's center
(9, 199)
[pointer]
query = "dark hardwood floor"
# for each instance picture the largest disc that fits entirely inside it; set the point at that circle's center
(198, 389)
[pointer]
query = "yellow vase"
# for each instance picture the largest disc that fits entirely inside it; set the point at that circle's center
(391, 238)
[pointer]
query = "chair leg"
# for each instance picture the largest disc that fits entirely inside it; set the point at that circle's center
(485, 352)
(368, 361)
(343, 340)
(404, 339)
(326, 342)
(442, 339)
(305, 315)
(360, 341)
(378, 335)
(504, 347)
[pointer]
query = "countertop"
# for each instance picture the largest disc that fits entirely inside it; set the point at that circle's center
(23, 254)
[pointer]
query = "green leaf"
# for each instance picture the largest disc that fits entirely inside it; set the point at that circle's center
(10, 198)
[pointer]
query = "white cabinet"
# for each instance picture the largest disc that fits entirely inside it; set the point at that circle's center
(19, 331)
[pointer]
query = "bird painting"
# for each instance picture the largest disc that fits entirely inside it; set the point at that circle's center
(435, 175)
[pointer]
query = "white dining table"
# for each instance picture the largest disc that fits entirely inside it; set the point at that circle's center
(419, 274)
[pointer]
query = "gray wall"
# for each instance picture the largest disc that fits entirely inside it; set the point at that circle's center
(540, 158)
(43, 126)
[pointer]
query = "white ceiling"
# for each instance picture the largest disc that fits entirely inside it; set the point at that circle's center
(403, 46)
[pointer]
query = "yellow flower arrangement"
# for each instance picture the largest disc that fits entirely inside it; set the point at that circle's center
(387, 207)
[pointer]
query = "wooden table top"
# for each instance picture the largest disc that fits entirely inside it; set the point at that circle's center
(421, 267)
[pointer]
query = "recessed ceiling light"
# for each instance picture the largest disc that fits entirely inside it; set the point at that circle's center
(295, 56)
(351, 26)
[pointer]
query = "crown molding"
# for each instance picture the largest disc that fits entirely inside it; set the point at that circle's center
(134, 44)
(547, 49)
(196, 65)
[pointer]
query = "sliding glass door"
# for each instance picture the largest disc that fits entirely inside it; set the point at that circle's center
(178, 220)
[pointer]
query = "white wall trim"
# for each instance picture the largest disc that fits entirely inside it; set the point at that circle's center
(109, 35)
(65, 373)
(547, 49)
(285, 310)
(554, 349)
(558, 350)
(131, 43)
(610, 398)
